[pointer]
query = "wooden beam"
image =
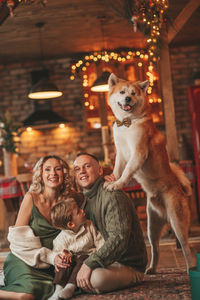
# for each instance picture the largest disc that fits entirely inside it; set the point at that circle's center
(182, 18)
(168, 99)
(103, 109)
(104, 125)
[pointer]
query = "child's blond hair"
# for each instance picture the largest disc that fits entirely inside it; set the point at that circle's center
(61, 213)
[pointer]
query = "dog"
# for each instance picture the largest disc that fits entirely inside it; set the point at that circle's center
(141, 153)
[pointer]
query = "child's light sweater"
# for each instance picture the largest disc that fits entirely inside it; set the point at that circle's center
(86, 241)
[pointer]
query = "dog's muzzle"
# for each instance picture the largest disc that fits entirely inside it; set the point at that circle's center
(126, 107)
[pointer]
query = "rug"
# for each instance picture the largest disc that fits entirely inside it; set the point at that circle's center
(169, 284)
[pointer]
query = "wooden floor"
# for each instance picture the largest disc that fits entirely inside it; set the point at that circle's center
(170, 255)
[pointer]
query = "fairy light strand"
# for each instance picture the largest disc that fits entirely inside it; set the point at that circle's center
(148, 17)
(81, 65)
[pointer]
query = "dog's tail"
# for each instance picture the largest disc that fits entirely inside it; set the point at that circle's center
(185, 183)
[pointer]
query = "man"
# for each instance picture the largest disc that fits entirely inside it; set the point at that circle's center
(122, 260)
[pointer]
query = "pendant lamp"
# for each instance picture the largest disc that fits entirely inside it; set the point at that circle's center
(44, 88)
(101, 83)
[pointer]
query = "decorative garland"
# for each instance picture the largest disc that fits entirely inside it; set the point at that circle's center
(105, 56)
(148, 17)
(80, 66)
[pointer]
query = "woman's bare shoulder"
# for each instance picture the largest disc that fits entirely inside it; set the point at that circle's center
(28, 197)
(25, 210)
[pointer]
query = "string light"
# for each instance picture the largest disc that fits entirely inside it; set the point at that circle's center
(148, 17)
(94, 57)
(155, 100)
(61, 125)
(82, 64)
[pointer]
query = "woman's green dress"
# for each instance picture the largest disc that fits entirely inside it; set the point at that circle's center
(19, 277)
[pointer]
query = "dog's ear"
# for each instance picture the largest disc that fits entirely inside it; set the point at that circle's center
(143, 85)
(112, 80)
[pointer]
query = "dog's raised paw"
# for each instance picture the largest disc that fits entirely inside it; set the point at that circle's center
(106, 184)
(109, 186)
(112, 186)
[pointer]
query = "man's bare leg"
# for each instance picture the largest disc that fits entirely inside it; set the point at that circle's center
(115, 277)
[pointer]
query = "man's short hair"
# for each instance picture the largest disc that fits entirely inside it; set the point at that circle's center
(85, 153)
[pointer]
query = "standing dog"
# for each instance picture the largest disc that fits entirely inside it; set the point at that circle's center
(141, 153)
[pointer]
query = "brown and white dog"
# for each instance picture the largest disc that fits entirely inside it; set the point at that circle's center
(141, 153)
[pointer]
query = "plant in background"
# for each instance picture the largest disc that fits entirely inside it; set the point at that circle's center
(10, 132)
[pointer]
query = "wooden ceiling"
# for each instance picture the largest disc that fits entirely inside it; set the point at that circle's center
(73, 26)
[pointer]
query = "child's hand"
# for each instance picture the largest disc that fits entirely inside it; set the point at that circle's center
(62, 260)
(66, 257)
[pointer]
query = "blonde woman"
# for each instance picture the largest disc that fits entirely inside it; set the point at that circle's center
(51, 183)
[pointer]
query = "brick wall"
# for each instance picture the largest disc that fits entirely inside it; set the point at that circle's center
(185, 62)
(15, 82)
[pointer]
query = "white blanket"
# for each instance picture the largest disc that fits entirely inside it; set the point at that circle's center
(2, 278)
(26, 246)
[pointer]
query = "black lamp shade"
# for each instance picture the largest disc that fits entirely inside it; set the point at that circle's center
(101, 83)
(44, 89)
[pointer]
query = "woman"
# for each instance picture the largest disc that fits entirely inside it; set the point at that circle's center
(50, 184)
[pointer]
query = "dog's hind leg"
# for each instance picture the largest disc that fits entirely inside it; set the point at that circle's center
(155, 225)
(181, 228)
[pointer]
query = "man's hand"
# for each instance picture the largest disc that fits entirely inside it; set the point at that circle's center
(83, 278)
(110, 178)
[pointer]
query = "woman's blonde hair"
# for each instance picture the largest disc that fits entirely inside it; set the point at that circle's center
(37, 185)
(61, 213)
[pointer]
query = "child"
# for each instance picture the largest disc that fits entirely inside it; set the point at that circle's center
(79, 238)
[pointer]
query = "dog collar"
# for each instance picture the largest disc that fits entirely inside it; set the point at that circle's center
(126, 122)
